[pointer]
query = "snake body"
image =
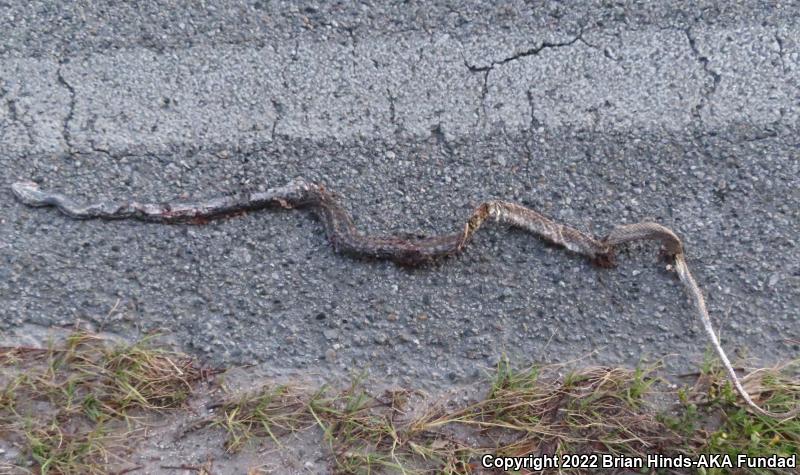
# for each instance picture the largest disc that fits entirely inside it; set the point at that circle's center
(413, 251)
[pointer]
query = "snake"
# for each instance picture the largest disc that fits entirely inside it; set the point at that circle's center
(406, 250)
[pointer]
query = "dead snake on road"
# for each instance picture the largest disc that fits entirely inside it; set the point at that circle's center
(345, 238)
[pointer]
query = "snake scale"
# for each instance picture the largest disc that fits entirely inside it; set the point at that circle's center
(411, 251)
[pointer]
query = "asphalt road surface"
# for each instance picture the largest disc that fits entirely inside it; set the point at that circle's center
(595, 114)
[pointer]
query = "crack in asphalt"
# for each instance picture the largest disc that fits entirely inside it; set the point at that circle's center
(486, 70)
(534, 122)
(277, 105)
(11, 105)
(438, 134)
(392, 111)
(534, 126)
(16, 117)
(278, 117)
(779, 40)
(70, 114)
(353, 45)
(523, 54)
(710, 89)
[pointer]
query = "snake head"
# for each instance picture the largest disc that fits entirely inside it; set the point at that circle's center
(29, 193)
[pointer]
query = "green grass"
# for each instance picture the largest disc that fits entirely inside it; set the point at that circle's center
(76, 406)
(271, 412)
(73, 406)
(528, 410)
(739, 431)
(85, 451)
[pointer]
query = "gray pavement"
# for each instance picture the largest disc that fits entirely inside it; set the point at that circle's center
(595, 115)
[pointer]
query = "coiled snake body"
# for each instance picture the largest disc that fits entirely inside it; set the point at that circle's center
(345, 238)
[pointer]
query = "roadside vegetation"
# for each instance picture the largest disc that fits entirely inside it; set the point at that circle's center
(80, 405)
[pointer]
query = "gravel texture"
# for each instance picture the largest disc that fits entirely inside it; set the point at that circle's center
(593, 114)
